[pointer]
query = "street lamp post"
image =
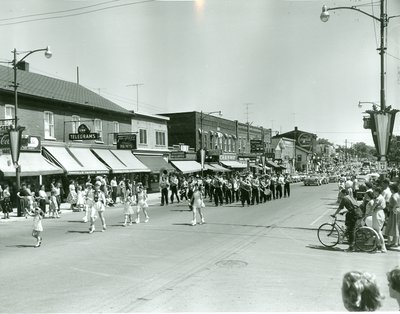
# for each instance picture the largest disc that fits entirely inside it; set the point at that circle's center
(202, 151)
(382, 120)
(15, 132)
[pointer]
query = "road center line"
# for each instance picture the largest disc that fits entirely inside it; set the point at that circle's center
(91, 272)
(328, 210)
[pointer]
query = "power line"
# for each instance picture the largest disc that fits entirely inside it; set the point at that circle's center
(57, 12)
(77, 14)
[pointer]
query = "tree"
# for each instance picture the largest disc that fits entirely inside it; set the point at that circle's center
(394, 150)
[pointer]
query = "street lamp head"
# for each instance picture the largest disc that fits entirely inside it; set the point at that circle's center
(48, 53)
(325, 14)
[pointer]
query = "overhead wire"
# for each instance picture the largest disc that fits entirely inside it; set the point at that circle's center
(77, 14)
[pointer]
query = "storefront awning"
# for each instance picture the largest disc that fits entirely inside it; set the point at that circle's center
(272, 164)
(130, 161)
(31, 164)
(233, 164)
(187, 166)
(155, 163)
(77, 160)
(218, 168)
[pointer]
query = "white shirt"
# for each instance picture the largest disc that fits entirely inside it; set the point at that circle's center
(386, 194)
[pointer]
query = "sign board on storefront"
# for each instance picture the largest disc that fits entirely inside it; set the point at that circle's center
(257, 146)
(126, 141)
(305, 140)
(83, 134)
(382, 166)
(227, 157)
(178, 155)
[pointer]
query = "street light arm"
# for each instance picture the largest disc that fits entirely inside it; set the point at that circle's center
(47, 49)
(354, 9)
(392, 17)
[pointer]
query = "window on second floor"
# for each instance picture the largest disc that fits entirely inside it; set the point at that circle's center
(160, 138)
(98, 128)
(142, 136)
(75, 123)
(49, 125)
(115, 131)
(9, 114)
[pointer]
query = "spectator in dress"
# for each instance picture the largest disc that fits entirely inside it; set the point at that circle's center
(393, 278)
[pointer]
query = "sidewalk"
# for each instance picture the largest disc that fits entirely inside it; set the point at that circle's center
(153, 199)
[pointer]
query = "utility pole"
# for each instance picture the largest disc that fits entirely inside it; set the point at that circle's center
(137, 93)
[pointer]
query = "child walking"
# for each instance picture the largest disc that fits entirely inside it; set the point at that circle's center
(128, 209)
(37, 225)
(80, 200)
(141, 203)
(53, 206)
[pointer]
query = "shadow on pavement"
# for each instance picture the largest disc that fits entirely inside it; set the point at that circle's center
(324, 248)
(76, 231)
(182, 224)
(20, 246)
(76, 221)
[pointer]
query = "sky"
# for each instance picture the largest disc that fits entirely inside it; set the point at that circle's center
(271, 63)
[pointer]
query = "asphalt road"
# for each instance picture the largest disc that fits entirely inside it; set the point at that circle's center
(259, 258)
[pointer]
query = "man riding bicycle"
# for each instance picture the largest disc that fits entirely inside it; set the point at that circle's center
(353, 215)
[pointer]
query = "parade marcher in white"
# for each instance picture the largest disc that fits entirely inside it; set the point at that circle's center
(72, 195)
(141, 203)
(88, 196)
(197, 204)
(99, 201)
(80, 203)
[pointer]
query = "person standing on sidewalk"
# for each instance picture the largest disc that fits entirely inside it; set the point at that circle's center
(6, 205)
(114, 186)
(174, 182)
(164, 184)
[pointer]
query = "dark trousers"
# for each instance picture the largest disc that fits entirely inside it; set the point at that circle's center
(114, 194)
(273, 194)
(164, 196)
(245, 197)
(212, 189)
(286, 190)
(235, 195)
(255, 196)
(218, 196)
(351, 223)
(279, 191)
(263, 196)
(174, 191)
(228, 196)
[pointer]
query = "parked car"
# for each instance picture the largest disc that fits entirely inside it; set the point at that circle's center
(313, 179)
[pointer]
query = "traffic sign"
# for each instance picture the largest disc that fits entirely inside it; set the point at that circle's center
(382, 166)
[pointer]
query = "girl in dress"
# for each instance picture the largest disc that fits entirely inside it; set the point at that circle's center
(128, 209)
(7, 207)
(197, 204)
(37, 225)
(80, 199)
(53, 206)
(141, 203)
(72, 195)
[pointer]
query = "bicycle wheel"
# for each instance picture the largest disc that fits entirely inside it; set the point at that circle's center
(366, 239)
(328, 235)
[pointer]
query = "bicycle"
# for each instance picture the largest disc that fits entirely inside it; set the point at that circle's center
(331, 234)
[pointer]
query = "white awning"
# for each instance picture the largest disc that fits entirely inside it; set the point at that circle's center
(130, 160)
(218, 168)
(77, 160)
(110, 160)
(31, 164)
(187, 166)
(234, 164)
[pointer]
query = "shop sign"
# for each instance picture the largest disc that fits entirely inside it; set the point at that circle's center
(83, 134)
(305, 140)
(214, 152)
(227, 157)
(126, 141)
(30, 143)
(178, 155)
(257, 146)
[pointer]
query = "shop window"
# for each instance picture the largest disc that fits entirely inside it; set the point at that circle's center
(98, 128)
(115, 131)
(49, 125)
(142, 136)
(211, 141)
(160, 138)
(9, 114)
(205, 141)
(75, 123)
